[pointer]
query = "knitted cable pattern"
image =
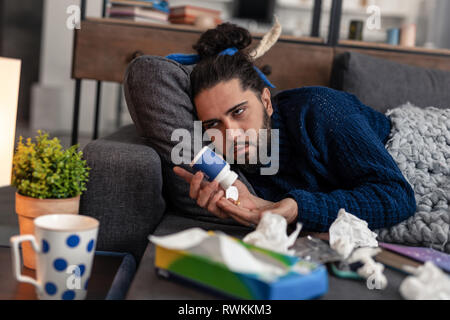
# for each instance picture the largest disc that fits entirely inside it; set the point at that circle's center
(419, 142)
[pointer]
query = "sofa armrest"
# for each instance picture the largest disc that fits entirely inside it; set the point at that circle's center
(124, 191)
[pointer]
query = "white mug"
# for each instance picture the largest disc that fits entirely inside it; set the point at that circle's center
(65, 246)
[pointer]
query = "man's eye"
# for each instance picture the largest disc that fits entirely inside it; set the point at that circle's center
(238, 111)
(210, 125)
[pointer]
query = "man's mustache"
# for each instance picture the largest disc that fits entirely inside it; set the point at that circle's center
(233, 148)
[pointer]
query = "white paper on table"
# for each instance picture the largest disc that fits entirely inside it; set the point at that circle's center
(348, 232)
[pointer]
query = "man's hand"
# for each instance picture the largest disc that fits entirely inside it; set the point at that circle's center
(208, 193)
(287, 208)
(211, 196)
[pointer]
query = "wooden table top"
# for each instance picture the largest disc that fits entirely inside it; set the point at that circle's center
(103, 272)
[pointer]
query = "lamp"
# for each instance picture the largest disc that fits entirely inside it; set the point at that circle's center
(9, 94)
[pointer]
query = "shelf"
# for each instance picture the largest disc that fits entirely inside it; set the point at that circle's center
(385, 46)
(345, 12)
(189, 28)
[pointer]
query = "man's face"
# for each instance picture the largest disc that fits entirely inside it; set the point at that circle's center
(233, 111)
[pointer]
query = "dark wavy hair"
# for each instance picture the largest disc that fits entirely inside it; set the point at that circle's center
(212, 68)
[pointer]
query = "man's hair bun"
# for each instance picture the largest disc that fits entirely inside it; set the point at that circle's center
(224, 36)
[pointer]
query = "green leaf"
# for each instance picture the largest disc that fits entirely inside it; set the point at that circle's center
(43, 169)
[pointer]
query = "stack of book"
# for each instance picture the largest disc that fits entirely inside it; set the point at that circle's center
(155, 11)
(188, 14)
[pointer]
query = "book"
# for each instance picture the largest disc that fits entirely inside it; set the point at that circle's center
(395, 260)
(190, 20)
(137, 12)
(141, 19)
(421, 254)
(193, 11)
(153, 4)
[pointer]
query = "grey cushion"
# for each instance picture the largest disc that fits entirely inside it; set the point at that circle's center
(384, 84)
(124, 191)
(157, 91)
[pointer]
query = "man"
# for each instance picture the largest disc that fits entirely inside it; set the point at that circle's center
(332, 156)
(331, 146)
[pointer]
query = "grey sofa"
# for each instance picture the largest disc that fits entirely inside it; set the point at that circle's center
(124, 193)
(125, 190)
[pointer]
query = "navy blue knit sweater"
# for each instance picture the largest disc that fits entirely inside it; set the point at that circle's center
(332, 156)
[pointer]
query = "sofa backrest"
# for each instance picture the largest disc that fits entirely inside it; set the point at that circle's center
(385, 84)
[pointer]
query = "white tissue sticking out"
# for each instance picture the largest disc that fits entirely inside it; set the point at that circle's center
(348, 232)
(232, 193)
(181, 240)
(428, 282)
(271, 234)
(239, 259)
(233, 254)
(371, 270)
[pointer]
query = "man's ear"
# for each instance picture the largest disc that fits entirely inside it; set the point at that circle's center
(266, 100)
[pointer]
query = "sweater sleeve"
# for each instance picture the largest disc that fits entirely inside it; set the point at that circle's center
(371, 186)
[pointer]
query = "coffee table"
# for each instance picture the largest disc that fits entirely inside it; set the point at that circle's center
(110, 278)
(148, 285)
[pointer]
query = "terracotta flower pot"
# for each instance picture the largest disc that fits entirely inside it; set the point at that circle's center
(28, 208)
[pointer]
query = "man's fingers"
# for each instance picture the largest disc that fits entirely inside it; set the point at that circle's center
(205, 193)
(237, 212)
(241, 221)
(183, 173)
(195, 185)
(187, 176)
(212, 205)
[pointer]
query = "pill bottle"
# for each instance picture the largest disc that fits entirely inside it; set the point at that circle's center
(214, 167)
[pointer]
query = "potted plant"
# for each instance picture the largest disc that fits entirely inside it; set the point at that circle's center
(48, 180)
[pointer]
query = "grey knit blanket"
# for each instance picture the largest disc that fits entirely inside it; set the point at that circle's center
(419, 142)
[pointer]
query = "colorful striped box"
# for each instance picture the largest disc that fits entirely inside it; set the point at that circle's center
(303, 280)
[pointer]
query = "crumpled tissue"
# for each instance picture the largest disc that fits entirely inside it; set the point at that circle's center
(371, 269)
(428, 282)
(348, 232)
(270, 233)
(220, 248)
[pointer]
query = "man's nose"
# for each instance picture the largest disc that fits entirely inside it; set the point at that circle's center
(233, 130)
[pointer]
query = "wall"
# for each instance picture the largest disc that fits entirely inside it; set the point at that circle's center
(53, 96)
(20, 31)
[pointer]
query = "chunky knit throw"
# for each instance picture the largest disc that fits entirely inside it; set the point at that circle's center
(419, 142)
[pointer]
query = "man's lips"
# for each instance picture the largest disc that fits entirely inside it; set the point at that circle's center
(240, 147)
(241, 150)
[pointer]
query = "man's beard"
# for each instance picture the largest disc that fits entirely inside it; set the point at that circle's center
(253, 168)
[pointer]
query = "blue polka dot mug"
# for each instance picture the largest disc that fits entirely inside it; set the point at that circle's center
(64, 245)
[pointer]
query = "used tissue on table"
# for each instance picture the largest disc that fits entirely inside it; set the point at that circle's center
(348, 232)
(428, 282)
(271, 234)
(233, 268)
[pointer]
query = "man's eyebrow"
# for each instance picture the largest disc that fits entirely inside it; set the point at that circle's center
(235, 107)
(228, 111)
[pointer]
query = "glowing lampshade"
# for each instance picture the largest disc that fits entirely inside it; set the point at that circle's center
(9, 94)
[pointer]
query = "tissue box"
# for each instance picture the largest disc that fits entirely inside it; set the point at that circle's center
(204, 266)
